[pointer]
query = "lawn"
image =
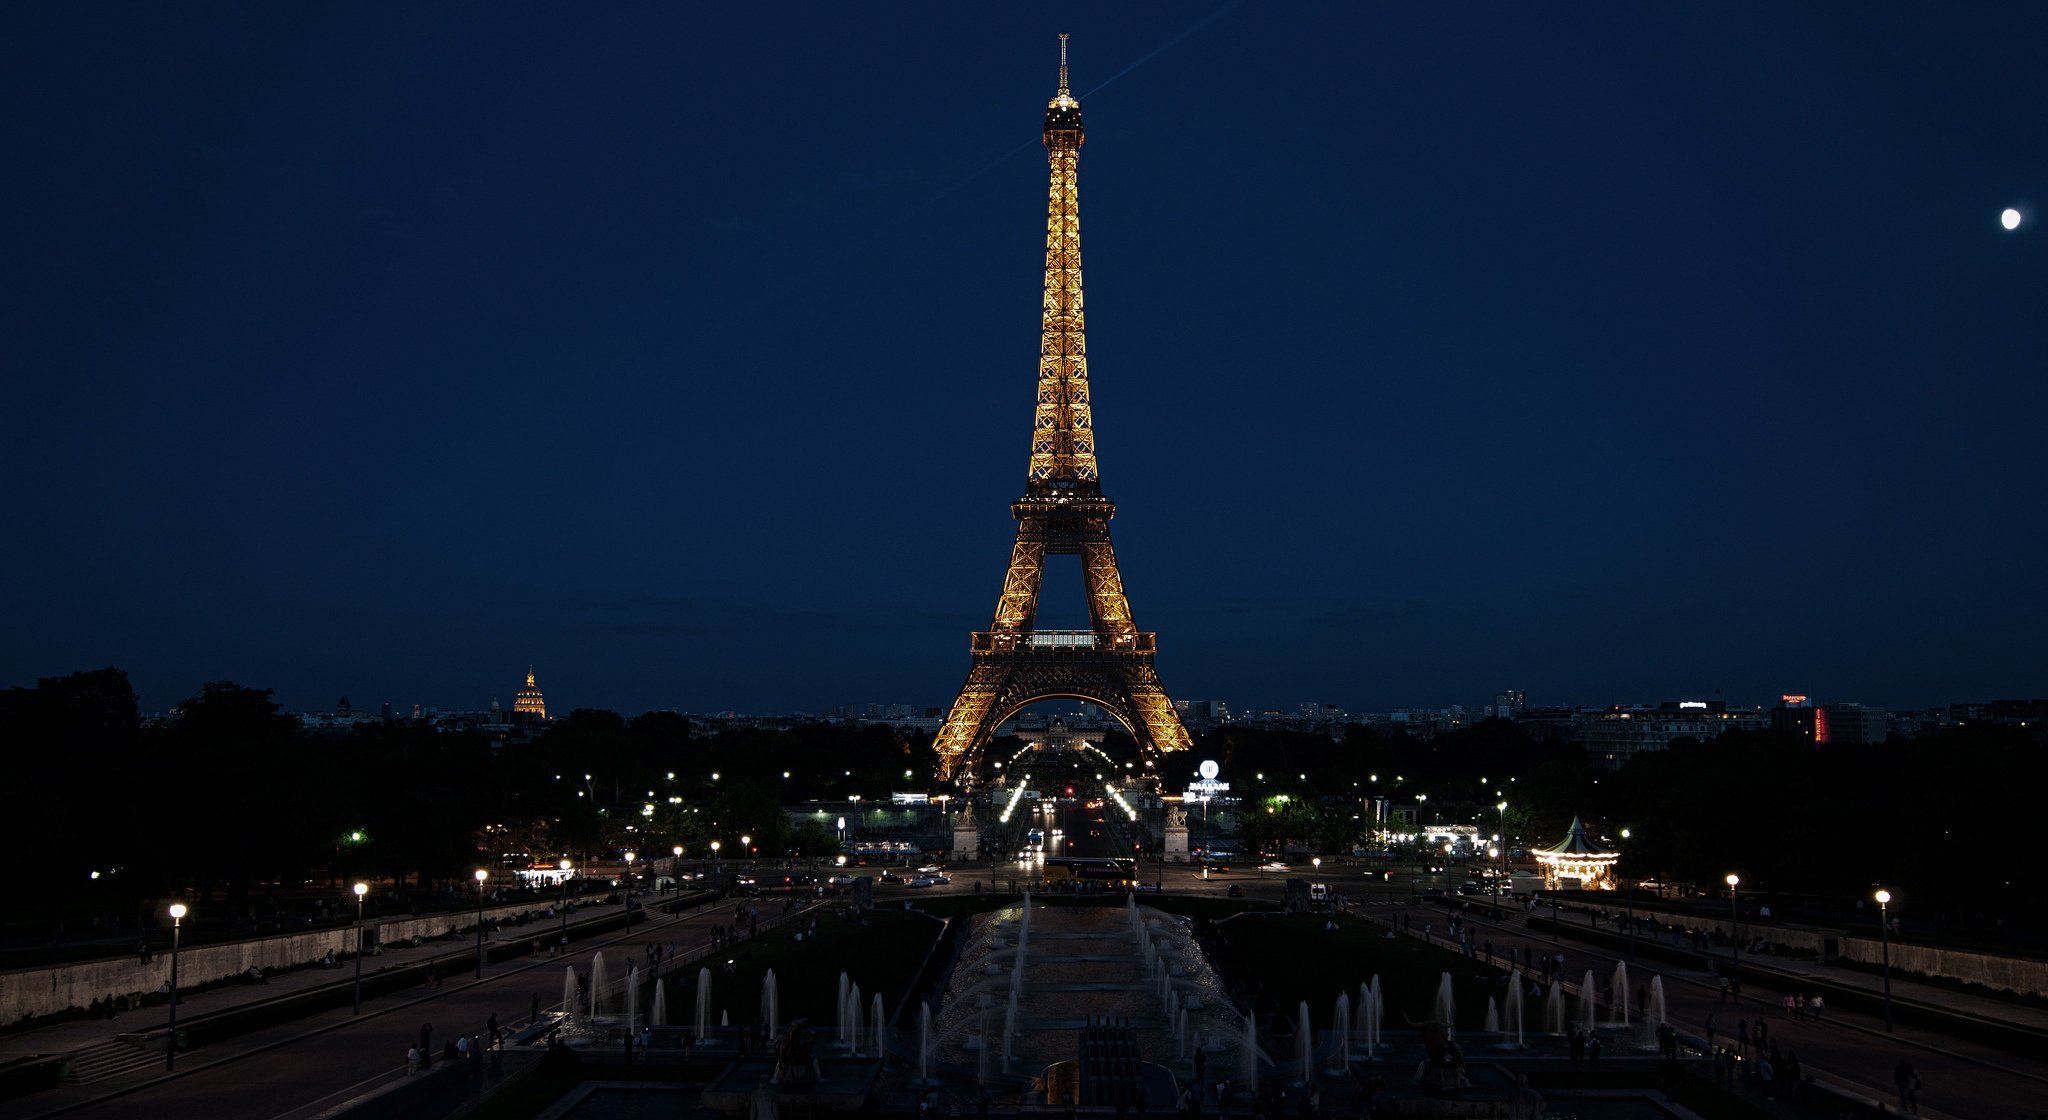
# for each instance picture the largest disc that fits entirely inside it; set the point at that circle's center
(881, 956)
(1292, 958)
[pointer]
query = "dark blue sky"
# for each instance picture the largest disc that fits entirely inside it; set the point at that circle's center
(1611, 354)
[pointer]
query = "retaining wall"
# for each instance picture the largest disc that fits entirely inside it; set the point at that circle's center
(47, 991)
(2005, 974)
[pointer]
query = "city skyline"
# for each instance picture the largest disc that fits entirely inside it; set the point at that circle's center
(401, 372)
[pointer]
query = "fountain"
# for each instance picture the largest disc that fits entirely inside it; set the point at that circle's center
(845, 982)
(658, 1014)
(1514, 1006)
(1340, 1037)
(1553, 1008)
(853, 1019)
(1653, 1016)
(1304, 1045)
(1620, 990)
(1446, 1004)
(878, 1021)
(1492, 1024)
(703, 1003)
(1009, 1029)
(568, 991)
(1589, 1002)
(981, 1056)
(924, 1043)
(1248, 1058)
(632, 996)
(771, 1003)
(597, 985)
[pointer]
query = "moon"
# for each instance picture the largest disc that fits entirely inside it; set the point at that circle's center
(2010, 219)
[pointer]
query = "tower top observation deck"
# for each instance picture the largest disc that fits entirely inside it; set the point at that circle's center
(1063, 113)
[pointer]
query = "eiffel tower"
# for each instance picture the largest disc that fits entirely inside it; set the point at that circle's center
(1063, 512)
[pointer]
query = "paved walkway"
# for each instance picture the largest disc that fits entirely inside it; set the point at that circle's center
(1849, 1049)
(144, 1075)
(1904, 988)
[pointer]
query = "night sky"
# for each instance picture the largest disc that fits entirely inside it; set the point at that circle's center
(688, 354)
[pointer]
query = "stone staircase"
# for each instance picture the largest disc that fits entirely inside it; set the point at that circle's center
(109, 1059)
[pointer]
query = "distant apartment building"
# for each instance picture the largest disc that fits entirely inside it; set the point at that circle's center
(1612, 736)
(2029, 714)
(1856, 725)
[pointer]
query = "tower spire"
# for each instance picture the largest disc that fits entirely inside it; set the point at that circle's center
(1063, 62)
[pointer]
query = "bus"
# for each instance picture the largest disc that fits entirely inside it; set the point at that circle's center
(1034, 841)
(1112, 871)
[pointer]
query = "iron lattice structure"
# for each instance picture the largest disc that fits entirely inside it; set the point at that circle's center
(1063, 512)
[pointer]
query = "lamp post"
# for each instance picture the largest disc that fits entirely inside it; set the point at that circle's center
(361, 890)
(747, 842)
(481, 875)
(1628, 931)
(842, 834)
(714, 857)
(1735, 926)
(1502, 839)
(630, 856)
(178, 912)
(676, 870)
(1884, 930)
(564, 908)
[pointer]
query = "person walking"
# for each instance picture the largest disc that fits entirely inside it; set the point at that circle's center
(491, 1030)
(1908, 1081)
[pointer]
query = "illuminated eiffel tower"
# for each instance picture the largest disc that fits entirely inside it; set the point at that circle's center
(1063, 512)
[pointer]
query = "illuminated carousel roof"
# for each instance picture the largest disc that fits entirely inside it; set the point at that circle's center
(1575, 845)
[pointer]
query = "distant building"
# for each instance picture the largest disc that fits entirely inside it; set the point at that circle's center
(1795, 717)
(1854, 725)
(1202, 712)
(528, 706)
(2029, 714)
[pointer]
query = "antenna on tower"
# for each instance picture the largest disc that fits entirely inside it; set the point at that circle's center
(1063, 62)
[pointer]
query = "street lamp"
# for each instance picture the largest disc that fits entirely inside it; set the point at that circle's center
(630, 856)
(1884, 929)
(1735, 924)
(1628, 931)
(178, 913)
(564, 908)
(842, 832)
(676, 870)
(361, 890)
(747, 842)
(714, 856)
(481, 875)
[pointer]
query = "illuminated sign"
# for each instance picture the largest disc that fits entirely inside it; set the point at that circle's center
(1700, 704)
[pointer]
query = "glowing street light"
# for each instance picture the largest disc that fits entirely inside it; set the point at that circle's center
(481, 875)
(1884, 928)
(361, 889)
(178, 913)
(564, 908)
(1735, 926)
(630, 857)
(1628, 903)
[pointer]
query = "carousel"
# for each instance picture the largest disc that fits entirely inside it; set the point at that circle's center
(1577, 862)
